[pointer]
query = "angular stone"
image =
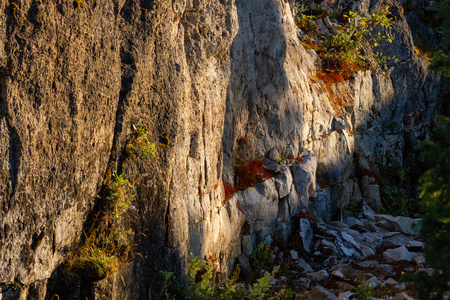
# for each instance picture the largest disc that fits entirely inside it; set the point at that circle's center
(318, 276)
(338, 224)
(397, 255)
(384, 270)
(368, 212)
(395, 241)
(245, 266)
(415, 245)
(372, 196)
(373, 282)
(373, 239)
(307, 234)
(389, 282)
(350, 221)
(337, 274)
(345, 295)
(348, 238)
(304, 177)
(368, 264)
(367, 251)
(420, 260)
(402, 224)
(304, 265)
(294, 254)
(319, 292)
(283, 182)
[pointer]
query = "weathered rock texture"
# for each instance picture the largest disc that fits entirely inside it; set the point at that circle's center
(75, 77)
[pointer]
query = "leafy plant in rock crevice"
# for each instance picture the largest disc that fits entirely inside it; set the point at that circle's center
(139, 145)
(104, 246)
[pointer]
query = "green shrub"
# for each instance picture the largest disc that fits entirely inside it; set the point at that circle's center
(435, 228)
(355, 35)
(364, 291)
(104, 246)
(139, 144)
(204, 282)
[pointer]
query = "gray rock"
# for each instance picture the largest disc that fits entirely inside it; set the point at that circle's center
(368, 264)
(304, 265)
(318, 276)
(373, 239)
(283, 182)
(338, 224)
(372, 196)
(389, 282)
(348, 238)
(373, 282)
(402, 224)
(367, 251)
(319, 292)
(415, 245)
(395, 241)
(304, 178)
(420, 260)
(384, 270)
(307, 234)
(294, 254)
(368, 212)
(397, 255)
(350, 221)
(338, 274)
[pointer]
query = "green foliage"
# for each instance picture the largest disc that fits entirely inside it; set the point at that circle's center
(262, 258)
(139, 145)
(350, 43)
(306, 22)
(441, 59)
(435, 229)
(104, 246)
(262, 285)
(204, 282)
(364, 291)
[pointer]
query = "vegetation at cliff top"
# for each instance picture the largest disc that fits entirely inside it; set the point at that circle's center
(347, 48)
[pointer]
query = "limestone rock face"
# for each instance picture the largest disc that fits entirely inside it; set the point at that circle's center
(201, 75)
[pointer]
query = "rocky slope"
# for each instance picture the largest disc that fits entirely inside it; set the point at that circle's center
(213, 81)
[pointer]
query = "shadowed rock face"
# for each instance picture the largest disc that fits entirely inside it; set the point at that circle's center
(76, 76)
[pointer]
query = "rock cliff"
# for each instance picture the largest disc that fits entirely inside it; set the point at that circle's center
(213, 81)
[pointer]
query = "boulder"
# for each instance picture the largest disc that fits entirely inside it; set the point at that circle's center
(304, 177)
(397, 255)
(402, 224)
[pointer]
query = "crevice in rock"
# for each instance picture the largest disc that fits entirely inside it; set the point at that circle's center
(128, 68)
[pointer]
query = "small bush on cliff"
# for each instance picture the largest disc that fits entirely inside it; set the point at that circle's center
(104, 246)
(435, 229)
(139, 145)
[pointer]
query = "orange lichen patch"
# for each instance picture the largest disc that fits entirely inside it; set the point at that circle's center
(250, 173)
(229, 191)
(247, 174)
